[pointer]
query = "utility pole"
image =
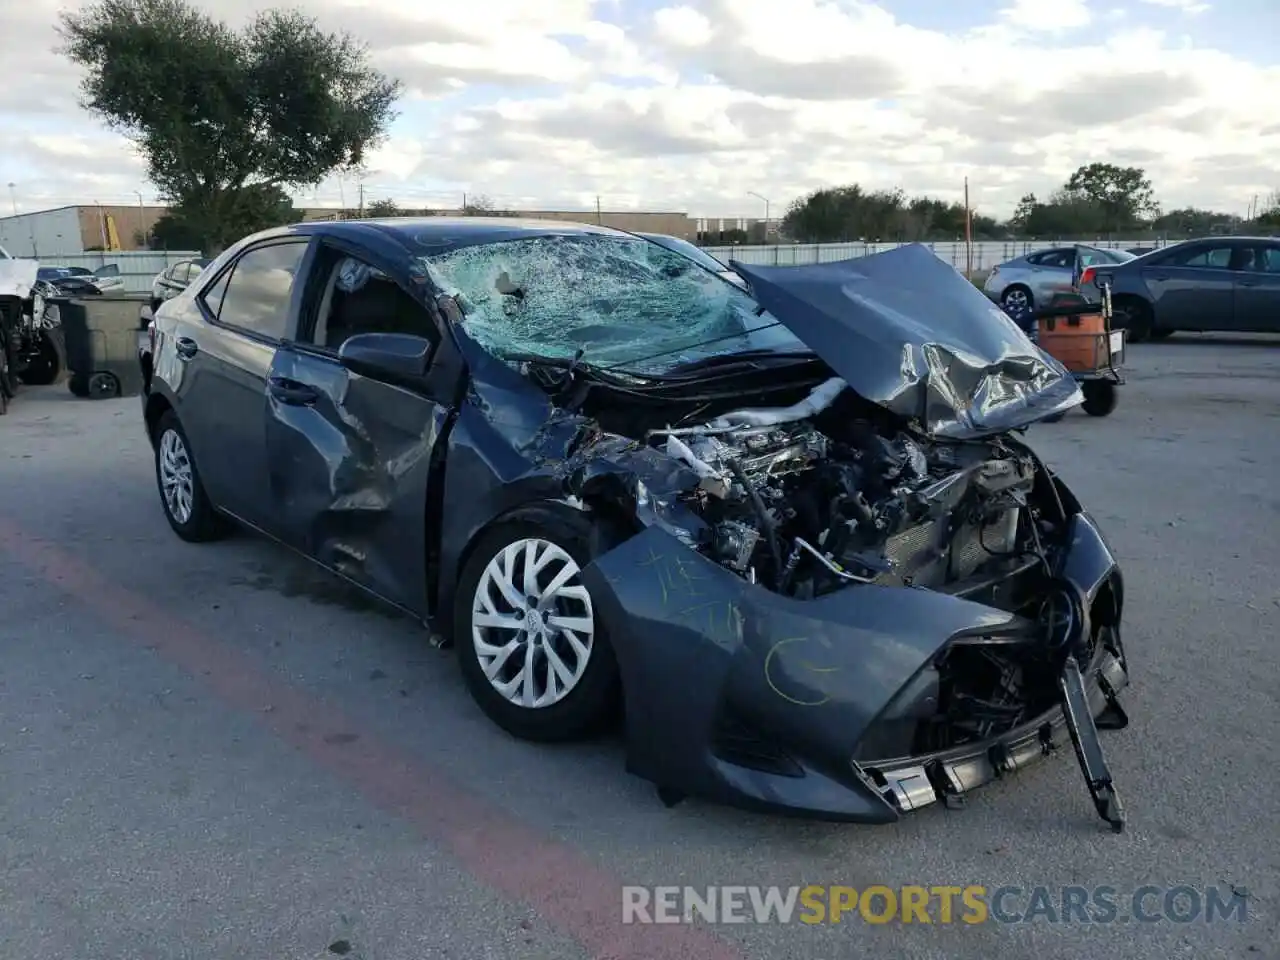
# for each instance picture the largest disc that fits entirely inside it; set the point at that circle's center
(361, 210)
(599, 221)
(13, 198)
(464, 202)
(968, 233)
(752, 193)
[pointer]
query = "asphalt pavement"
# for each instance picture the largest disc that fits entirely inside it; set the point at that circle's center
(217, 751)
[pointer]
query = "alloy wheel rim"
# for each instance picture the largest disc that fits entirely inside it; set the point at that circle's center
(176, 482)
(1015, 299)
(532, 623)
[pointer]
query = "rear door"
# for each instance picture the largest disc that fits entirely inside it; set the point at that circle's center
(1051, 273)
(1193, 287)
(248, 310)
(1257, 289)
(350, 458)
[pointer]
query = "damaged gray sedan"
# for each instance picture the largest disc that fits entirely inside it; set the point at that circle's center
(792, 535)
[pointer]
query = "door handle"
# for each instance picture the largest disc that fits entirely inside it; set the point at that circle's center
(186, 347)
(292, 392)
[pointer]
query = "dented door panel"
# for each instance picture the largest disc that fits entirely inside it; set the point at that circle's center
(349, 467)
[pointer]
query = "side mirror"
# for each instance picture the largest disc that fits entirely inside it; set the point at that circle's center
(397, 358)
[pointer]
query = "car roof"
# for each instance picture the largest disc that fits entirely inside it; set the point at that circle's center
(436, 235)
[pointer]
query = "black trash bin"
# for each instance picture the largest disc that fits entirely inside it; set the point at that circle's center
(101, 337)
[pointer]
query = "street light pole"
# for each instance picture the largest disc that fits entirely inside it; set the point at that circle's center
(13, 198)
(752, 193)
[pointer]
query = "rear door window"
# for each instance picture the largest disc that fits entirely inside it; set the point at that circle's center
(1208, 257)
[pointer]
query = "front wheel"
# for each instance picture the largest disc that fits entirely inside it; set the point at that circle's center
(46, 366)
(186, 506)
(530, 642)
(1099, 397)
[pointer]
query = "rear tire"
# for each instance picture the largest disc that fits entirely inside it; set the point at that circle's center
(1017, 297)
(186, 505)
(1135, 317)
(78, 384)
(533, 625)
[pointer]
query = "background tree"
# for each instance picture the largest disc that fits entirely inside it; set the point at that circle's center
(478, 206)
(382, 208)
(1123, 195)
(227, 120)
(851, 213)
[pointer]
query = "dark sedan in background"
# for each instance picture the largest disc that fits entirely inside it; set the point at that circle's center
(1215, 284)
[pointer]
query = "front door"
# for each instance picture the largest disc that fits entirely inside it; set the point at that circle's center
(351, 458)
(1257, 308)
(1193, 287)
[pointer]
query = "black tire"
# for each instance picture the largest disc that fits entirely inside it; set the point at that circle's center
(1099, 397)
(104, 386)
(592, 700)
(203, 523)
(1133, 316)
(48, 364)
(1014, 289)
(78, 384)
(8, 377)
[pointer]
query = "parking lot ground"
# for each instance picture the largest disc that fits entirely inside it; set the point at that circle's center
(216, 751)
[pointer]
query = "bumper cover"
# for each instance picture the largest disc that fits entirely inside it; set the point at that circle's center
(717, 670)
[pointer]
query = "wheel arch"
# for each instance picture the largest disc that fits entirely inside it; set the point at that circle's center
(609, 526)
(157, 405)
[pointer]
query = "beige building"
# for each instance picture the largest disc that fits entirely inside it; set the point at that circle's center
(635, 221)
(73, 230)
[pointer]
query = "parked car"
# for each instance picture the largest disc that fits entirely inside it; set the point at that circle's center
(175, 278)
(828, 581)
(1217, 283)
(696, 254)
(83, 282)
(1027, 281)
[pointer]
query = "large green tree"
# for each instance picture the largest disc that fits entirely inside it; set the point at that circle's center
(852, 213)
(227, 120)
(1123, 195)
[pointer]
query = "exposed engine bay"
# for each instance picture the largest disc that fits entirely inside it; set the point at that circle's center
(803, 511)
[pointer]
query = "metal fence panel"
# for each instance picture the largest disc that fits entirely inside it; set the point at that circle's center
(986, 253)
(137, 267)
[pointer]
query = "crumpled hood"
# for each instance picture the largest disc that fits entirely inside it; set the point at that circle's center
(908, 332)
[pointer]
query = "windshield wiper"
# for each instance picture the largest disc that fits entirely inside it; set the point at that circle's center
(743, 358)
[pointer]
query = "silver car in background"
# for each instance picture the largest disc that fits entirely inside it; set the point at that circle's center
(1033, 280)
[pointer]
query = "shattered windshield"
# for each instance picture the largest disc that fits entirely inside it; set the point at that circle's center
(618, 300)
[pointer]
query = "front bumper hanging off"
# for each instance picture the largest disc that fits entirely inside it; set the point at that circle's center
(742, 696)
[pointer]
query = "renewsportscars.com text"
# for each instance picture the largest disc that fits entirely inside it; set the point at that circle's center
(971, 904)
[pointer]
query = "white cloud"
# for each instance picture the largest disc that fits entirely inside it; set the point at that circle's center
(1186, 6)
(1048, 16)
(696, 105)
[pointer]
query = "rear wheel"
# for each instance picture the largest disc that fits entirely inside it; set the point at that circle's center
(186, 505)
(1133, 316)
(1017, 299)
(531, 646)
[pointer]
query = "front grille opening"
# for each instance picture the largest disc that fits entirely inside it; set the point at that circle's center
(985, 692)
(740, 743)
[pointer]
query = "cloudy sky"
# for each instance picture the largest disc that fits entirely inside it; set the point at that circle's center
(694, 105)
